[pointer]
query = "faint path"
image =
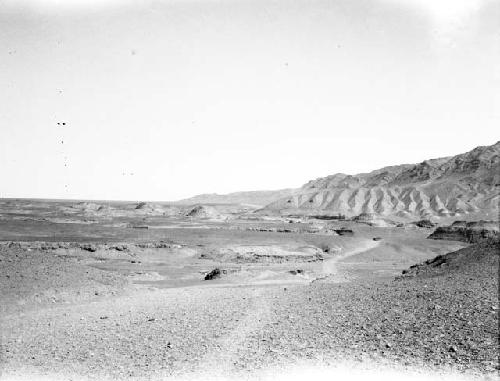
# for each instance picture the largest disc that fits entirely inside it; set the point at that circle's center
(223, 358)
(221, 361)
(329, 266)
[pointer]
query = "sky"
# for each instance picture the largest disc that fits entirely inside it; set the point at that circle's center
(162, 100)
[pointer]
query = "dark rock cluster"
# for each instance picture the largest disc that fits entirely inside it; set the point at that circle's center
(471, 232)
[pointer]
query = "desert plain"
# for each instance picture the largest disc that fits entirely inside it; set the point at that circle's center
(138, 291)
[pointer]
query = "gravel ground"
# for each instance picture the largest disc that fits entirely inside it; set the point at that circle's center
(440, 320)
(33, 279)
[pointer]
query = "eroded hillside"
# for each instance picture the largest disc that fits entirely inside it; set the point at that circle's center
(464, 184)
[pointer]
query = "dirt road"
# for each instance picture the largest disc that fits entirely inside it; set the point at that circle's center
(329, 269)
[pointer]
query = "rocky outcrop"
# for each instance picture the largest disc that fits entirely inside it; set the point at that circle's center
(470, 232)
(214, 274)
(147, 208)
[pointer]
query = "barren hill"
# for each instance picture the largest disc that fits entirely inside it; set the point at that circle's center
(257, 198)
(464, 184)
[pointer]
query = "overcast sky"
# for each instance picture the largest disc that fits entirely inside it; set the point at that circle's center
(161, 100)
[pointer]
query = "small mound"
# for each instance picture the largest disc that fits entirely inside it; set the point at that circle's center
(203, 211)
(365, 217)
(155, 209)
(424, 224)
(148, 207)
(143, 205)
(373, 220)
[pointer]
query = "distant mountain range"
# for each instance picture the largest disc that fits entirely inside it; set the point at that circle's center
(253, 198)
(468, 183)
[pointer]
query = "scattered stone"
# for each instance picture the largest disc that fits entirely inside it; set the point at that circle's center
(89, 247)
(215, 273)
(344, 231)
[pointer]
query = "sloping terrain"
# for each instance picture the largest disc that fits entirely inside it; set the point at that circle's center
(257, 198)
(464, 184)
(472, 261)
